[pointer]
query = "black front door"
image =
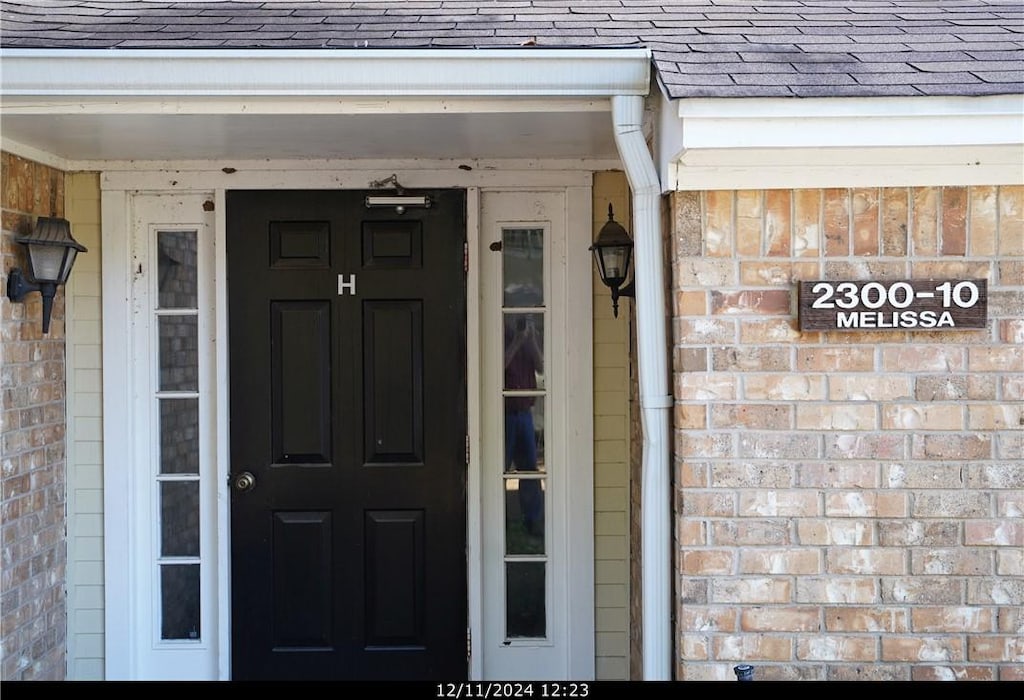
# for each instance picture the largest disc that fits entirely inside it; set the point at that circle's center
(348, 423)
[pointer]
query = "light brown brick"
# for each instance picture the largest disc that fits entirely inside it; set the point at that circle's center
(777, 223)
(923, 359)
(864, 504)
(704, 272)
(866, 561)
(953, 619)
(894, 210)
(868, 672)
(749, 590)
(694, 386)
(906, 416)
(922, 475)
(836, 222)
(777, 273)
(755, 416)
(1001, 533)
(982, 223)
(765, 503)
(951, 504)
(703, 445)
(708, 618)
(922, 590)
(746, 532)
(854, 533)
(695, 646)
(1000, 358)
(748, 647)
(836, 417)
(752, 475)
(756, 445)
(952, 562)
(784, 387)
(858, 619)
(690, 416)
(887, 387)
(692, 533)
(917, 649)
(818, 359)
(951, 446)
(780, 561)
(702, 562)
(1011, 220)
(866, 222)
(807, 222)
(788, 619)
(838, 475)
(924, 232)
(718, 228)
(753, 332)
(751, 359)
(992, 591)
(952, 672)
(749, 222)
(770, 302)
(995, 417)
(996, 475)
(992, 649)
(704, 331)
(954, 221)
(709, 504)
(687, 231)
(836, 648)
(865, 446)
(691, 304)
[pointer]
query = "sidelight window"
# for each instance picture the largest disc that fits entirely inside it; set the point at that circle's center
(177, 477)
(525, 474)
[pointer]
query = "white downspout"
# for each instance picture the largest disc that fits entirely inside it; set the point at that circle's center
(655, 399)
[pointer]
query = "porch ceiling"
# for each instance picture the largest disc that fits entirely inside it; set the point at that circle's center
(100, 137)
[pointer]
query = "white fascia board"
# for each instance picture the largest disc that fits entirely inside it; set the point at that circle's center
(846, 122)
(764, 143)
(325, 72)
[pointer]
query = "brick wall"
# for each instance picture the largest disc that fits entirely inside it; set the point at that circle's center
(849, 505)
(32, 577)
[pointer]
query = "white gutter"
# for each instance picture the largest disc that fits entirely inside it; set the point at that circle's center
(331, 72)
(655, 399)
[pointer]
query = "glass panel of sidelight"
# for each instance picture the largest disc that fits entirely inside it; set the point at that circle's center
(524, 351)
(522, 266)
(525, 608)
(524, 515)
(179, 353)
(524, 434)
(177, 286)
(179, 518)
(179, 601)
(179, 436)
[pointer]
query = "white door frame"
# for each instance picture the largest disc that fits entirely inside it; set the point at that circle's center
(119, 189)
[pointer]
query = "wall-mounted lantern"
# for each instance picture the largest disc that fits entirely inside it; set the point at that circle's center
(51, 254)
(613, 252)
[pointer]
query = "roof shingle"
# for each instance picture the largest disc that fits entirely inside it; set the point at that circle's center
(701, 48)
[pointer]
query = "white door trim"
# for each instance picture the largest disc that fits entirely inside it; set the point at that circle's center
(121, 587)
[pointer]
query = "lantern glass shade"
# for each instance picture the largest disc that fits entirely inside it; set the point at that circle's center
(51, 250)
(613, 250)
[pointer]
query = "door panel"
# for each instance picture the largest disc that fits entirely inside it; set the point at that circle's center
(347, 405)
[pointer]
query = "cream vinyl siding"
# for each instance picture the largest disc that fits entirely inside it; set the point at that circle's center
(85, 434)
(611, 450)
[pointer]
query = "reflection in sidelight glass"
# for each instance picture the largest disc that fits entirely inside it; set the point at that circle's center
(524, 516)
(524, 434)
(524, 351)
(177, 286)
(179, 518)
(525, 615)
(179, 436)
(179, 353)
(179, 601)
(522, 259)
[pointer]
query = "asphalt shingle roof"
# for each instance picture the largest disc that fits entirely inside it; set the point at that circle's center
(701, 48)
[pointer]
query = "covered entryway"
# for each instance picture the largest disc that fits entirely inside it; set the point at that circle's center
(348, 430)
